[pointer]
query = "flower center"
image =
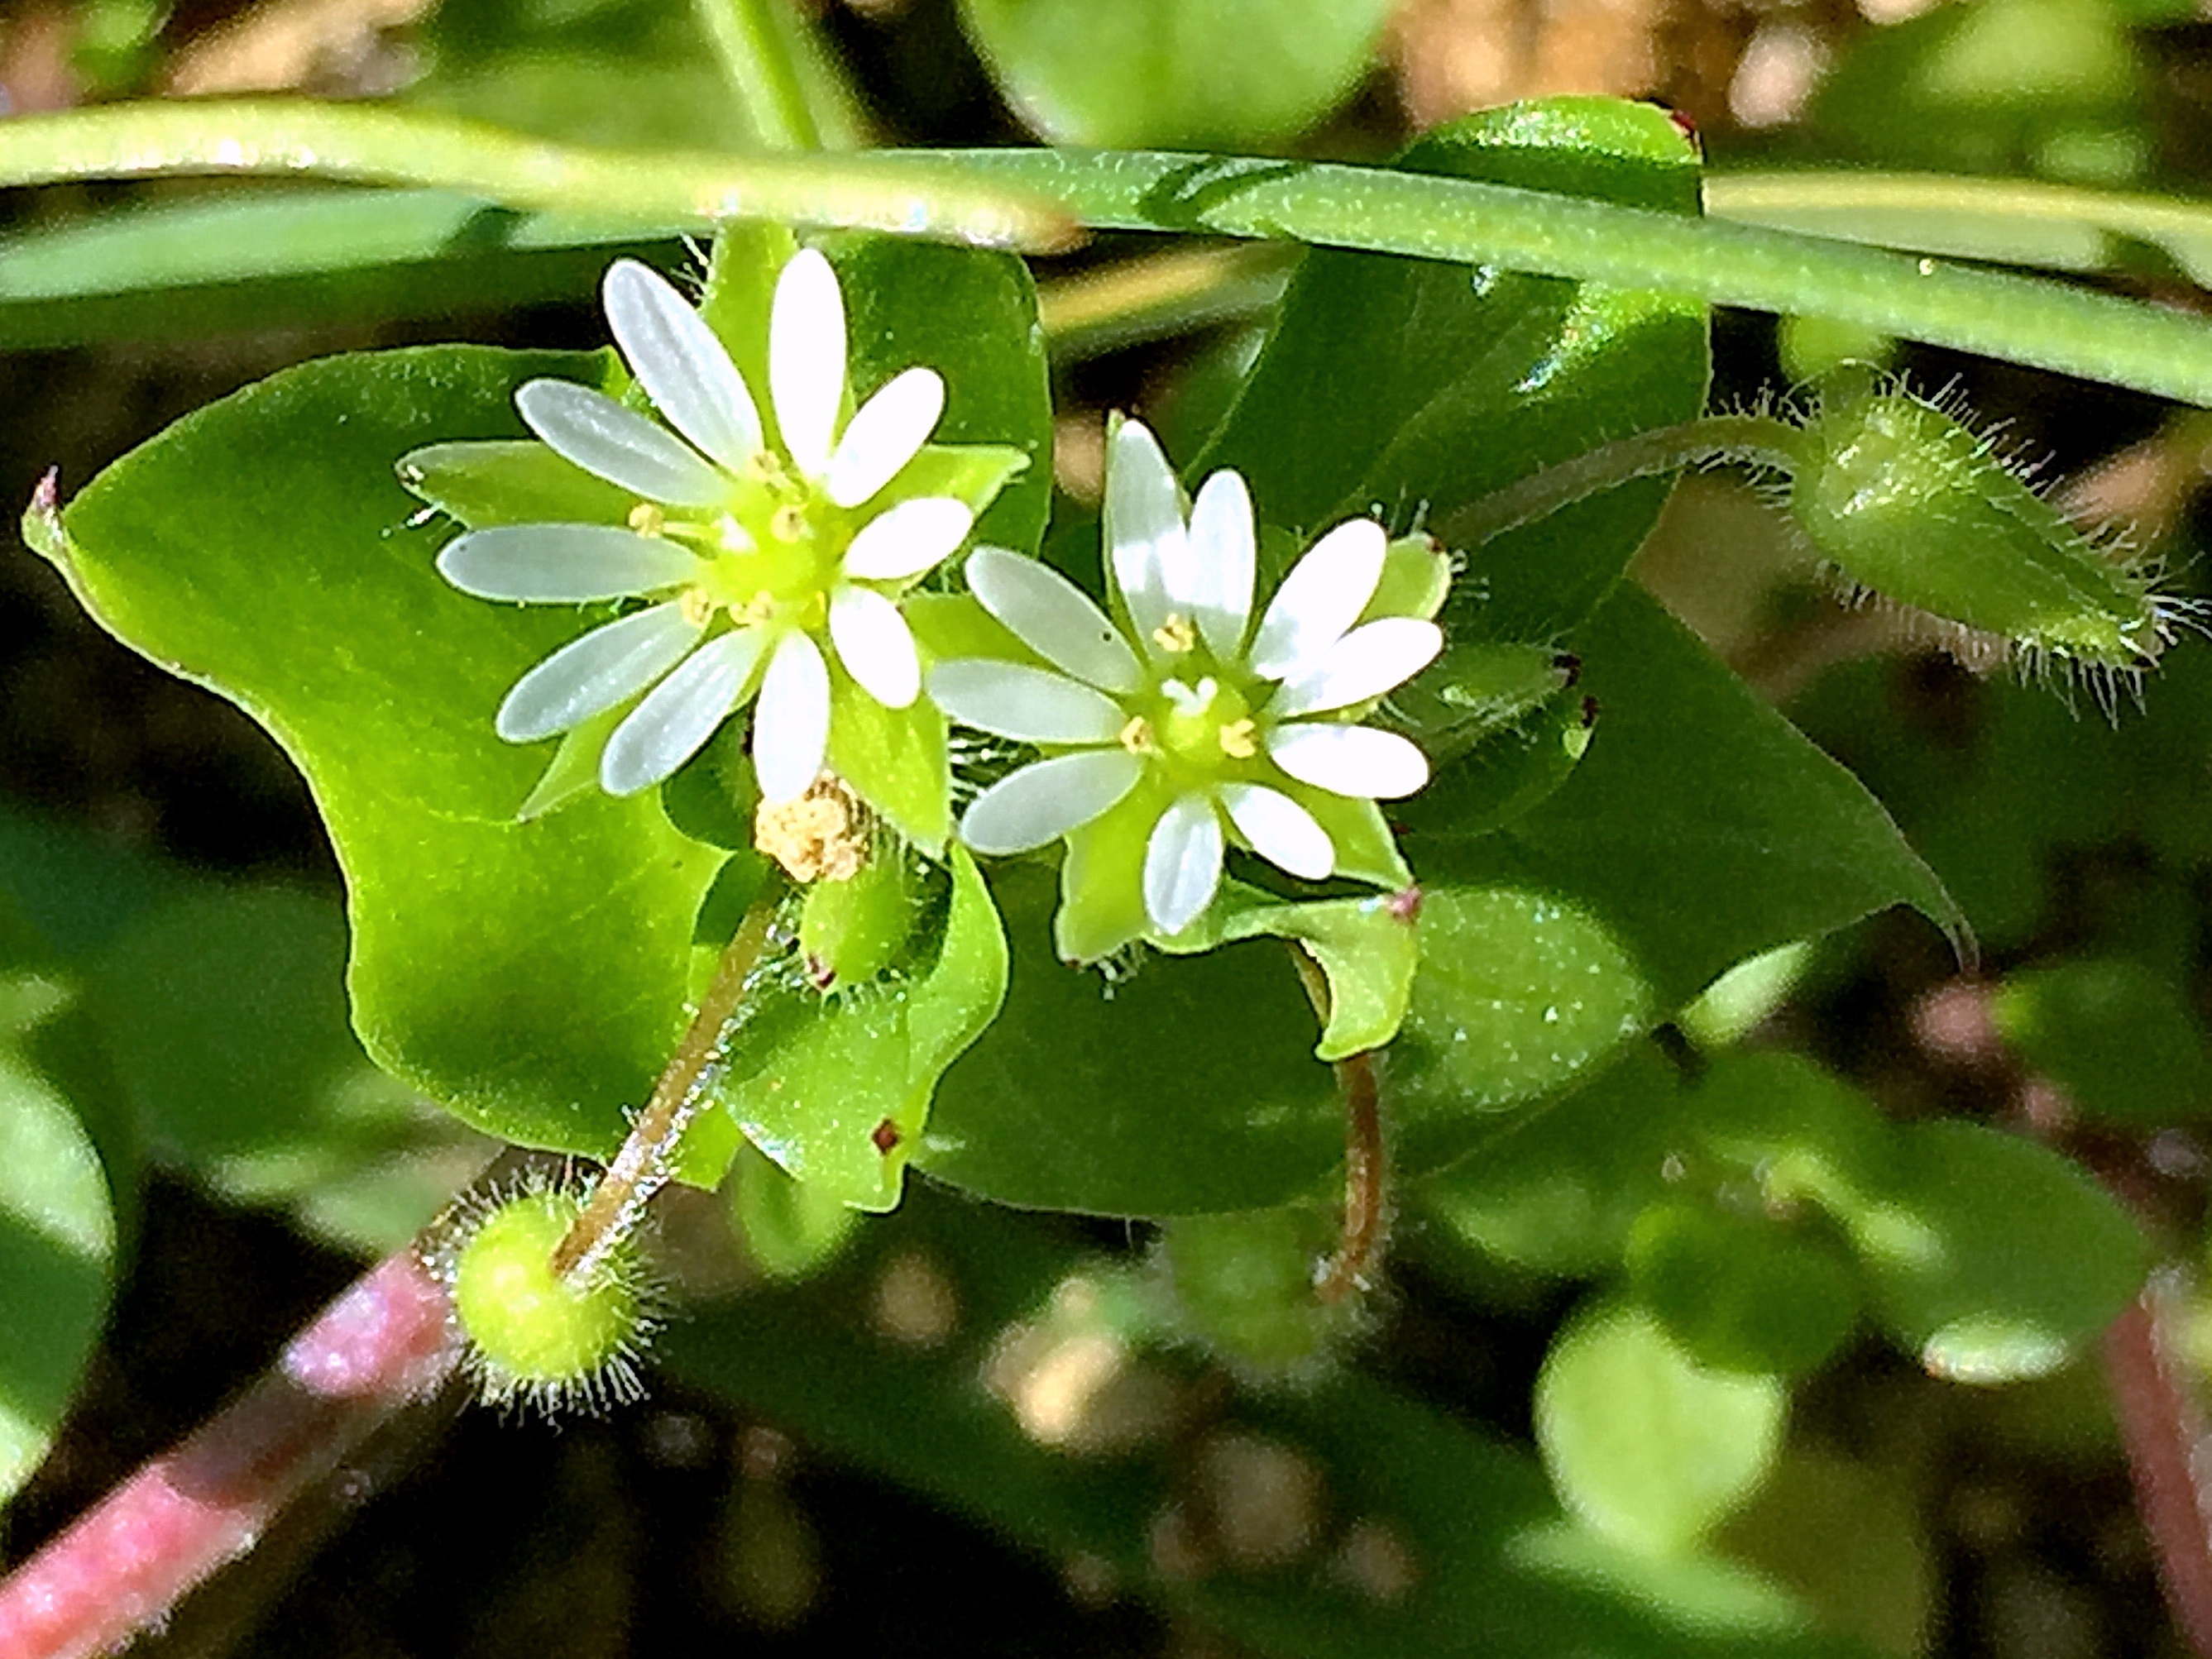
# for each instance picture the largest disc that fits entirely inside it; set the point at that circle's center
(772, 553)
(1202, 725)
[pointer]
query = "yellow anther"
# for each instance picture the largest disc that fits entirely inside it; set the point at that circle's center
(1240, 740)
(697, 605)
(788, 524)
(1176, 635)
(1137, 736)
(647, 519)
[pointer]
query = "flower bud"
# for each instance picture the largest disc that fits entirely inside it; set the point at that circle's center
(1909, 504)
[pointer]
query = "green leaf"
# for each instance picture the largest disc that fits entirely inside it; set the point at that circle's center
(1992, 1259)
(836, 1087)
(971, 316)
(1741, 1293)
(791, 1229)
(1242, 1285)
(1181, 73)
(1123, 1097)
(1800, 1131)
(1407, 387)
(58, 1222)
(1701, 828)
(528, 976)
(1365, 947)
(2119, 1036)
(1643, 1443)
(895, 759)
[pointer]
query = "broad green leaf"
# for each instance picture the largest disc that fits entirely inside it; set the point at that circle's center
(1797, 1129)
(1992, 1259)
(1518, 994)
(1413, 388)
(2119, 1036)
(1556, 1192)
(791, 1229)
(1187, 1085)
(527, 976)
(1643, 1443)
(1701, 828)
(836, 1085)
(1185, 74)
(1242, 1285)
(58, 1222)
(1739, 1292)
(971, 316)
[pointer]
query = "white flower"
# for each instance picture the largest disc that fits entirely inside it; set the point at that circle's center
(1221, 716)
(757, 554)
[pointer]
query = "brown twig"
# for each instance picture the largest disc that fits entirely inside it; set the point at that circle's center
(643, 1164)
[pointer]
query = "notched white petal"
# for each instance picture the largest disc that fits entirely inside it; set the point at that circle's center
(806, 359)
(1280, 830)
(563, 563)
(1183, 863)
(887, 433)
(1349, 760)
(791, 726)
(679, 714)
(1319, 600)
(1043, 802)
(911, 538)
(589, 675)
(1223, 554)
(1366, 663)
(683, 367)
(1145, 534)
(1031, 705)
(1054, 617)
(876, 645)
(619, 444)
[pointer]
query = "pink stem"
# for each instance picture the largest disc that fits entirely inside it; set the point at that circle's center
(2165, 1434)
(123, 1567)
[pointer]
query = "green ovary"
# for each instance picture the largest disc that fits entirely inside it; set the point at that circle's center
(1201, 730)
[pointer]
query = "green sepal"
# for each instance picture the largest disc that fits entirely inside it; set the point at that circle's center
(1102, 882)
(854, 929)
(1367, 949)
(953, 625)
(573, 771)
(1416, 580)
(973, 473)
(895, 759)
(496, 481)
(836, 1088)
(1365, 848)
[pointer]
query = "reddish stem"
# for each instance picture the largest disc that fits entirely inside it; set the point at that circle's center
(122, 1567)
(2164, 1431)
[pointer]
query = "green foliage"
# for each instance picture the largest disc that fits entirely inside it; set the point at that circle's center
(2116, 1034)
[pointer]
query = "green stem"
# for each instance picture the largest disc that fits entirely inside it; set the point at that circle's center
(1759, 440)
(756, 59)
(1034, 198)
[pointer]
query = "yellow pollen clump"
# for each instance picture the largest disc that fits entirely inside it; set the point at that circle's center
(1176, 635)
(821, 836)
(698, 606)
(1137, 736)
(1240, 740)
(647, 519)
(788, 524)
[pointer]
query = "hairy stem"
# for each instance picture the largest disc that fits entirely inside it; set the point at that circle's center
(1366, 1165)
(1759, 440)
(642, 1167)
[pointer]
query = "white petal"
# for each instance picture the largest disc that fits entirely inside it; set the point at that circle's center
(806, 359)
(1349, 760)
(887, 433)
(1043, 802)
(909, 538)
(1144, 529)
(1322, 597)
(563, 563)
(1221, 553)
(588, 675)
(683, 366)
(1366, 663)
(791, 726)
(1183, 863)
(1054, 617)
(618, 444)
(1032, 705)
(1280, 830)
(876, 645)
(679, 714)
